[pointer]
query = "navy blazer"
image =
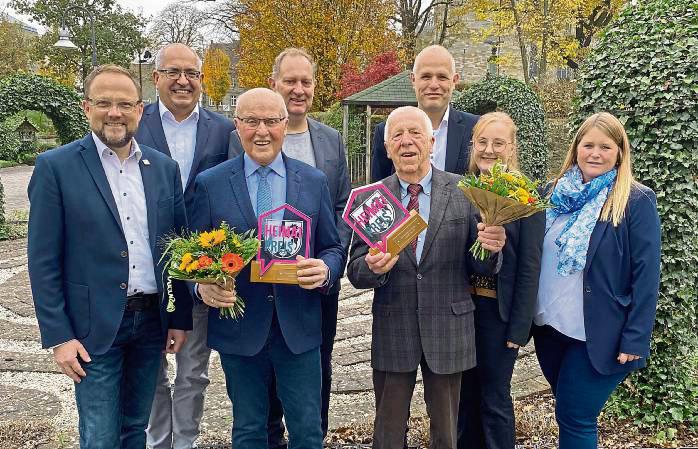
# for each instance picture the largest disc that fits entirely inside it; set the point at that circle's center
(222, 195)
(330, 159)
(621, 284)
(78, 264)
(212, 133)
(458, 137)
(517, 281)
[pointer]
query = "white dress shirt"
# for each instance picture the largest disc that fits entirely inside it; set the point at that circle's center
(438, 154)
(126, 186)
(560, 298)
(181, 138)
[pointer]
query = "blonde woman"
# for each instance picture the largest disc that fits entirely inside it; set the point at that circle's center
(504, 305)
(599, 278)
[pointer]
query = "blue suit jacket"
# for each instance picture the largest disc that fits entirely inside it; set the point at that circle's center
(212, 134)
(621, 283)
(77, 247)
(330, 159)
(460, 130)
(222, 195)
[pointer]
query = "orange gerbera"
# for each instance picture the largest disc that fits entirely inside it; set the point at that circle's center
(205, 262)
(231, 263)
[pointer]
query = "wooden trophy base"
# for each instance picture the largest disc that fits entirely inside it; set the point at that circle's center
(279, 273)
(403, 235)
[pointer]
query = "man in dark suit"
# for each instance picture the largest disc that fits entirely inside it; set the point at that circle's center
(293, 77)
(99, 207)
(197, 139)
(434, 78)
(422, 310)
(280, 332)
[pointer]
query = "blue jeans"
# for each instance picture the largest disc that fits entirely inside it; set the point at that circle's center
(298, 384)
(115, 396)
(580, 391)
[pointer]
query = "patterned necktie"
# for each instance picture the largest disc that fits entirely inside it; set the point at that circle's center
(413, 190)
(263, 191)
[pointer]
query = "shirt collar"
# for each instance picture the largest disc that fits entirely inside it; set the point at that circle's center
(165, 113)
(444, 120)
(277, 165)
(425, 182)
(102, 148)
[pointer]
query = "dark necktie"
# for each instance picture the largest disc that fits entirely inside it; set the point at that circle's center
(413, 190)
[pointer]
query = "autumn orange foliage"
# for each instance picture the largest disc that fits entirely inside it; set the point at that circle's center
(216, 72)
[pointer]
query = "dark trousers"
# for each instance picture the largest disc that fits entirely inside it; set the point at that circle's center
(297, 376)
(393, 397)
(115, 396)
(580, 391)
(275, 425)
(486, 411)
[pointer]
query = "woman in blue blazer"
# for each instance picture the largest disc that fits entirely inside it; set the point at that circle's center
(504, 305)
(599, 278)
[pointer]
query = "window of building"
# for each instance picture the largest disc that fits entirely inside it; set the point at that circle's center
(233, 100)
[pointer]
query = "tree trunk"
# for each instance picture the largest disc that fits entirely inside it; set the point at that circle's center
(444, 24)
(520, 37)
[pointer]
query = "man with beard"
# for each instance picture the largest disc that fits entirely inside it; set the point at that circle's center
(99, 207)
(197, 139)
(318, 145)
(434, 79)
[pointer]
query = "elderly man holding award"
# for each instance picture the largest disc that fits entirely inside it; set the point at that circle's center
(422, 310)
(289, 204)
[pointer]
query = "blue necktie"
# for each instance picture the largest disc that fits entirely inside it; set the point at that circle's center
(263, 191)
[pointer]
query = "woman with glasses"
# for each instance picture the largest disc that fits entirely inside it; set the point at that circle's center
(504, 305)
(599, 278)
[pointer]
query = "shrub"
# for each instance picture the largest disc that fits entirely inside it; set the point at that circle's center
(501, 93)
(644, 70)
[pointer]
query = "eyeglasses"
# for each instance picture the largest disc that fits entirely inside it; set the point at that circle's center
(175, 74)
(253, 122)
(497, 145)
(124, 107)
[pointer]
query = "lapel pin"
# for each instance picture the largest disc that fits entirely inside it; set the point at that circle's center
(146, 162)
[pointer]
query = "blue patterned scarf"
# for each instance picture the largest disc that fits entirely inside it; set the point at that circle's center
(584, 202)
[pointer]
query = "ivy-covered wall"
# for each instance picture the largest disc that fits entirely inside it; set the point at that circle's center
(644, 70)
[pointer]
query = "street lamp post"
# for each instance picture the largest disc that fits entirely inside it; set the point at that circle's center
(64, 34)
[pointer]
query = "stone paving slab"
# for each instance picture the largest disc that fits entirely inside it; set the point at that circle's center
(24, 403)
(28, 363)
(15, 181)
(17, 295)
(18, 332)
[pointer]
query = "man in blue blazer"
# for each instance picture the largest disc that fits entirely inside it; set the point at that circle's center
(316, 144)
(280, 332)
(434, 78)
(99, 207)
(197, 139)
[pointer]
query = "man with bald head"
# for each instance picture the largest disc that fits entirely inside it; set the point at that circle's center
(281, 330)
(197, 139)
(433, 79)
(422, 309)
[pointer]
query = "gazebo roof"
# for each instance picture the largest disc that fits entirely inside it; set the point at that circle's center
(393, 92)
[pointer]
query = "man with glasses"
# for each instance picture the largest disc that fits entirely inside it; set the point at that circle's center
(280, 333)
(434, 79)
(318, 145)
(197, 139)
(99, 208)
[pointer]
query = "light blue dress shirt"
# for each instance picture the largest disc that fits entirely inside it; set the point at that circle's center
(276, 178)
(424, 206)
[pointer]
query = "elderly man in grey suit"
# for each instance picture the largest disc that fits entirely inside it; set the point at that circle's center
(422, 310)
(293, 77)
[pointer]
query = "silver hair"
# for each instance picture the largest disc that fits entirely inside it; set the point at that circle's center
(257, 90)
(431, 47)
(427, 123)
(161, 53)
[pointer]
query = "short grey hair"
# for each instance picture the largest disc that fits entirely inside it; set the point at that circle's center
(161, 54)
(242, 99)
(291, 51)
(433, 47)
(423, 115)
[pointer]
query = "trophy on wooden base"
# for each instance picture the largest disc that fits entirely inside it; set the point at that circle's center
(284, 233)
(380, 219)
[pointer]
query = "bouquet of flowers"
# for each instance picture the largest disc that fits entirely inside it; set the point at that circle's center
(502, 196)
(214, 257)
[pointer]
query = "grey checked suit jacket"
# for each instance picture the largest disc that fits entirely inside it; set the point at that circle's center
(426, 308)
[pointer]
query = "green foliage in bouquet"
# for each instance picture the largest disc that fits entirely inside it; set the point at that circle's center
(644, 70)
